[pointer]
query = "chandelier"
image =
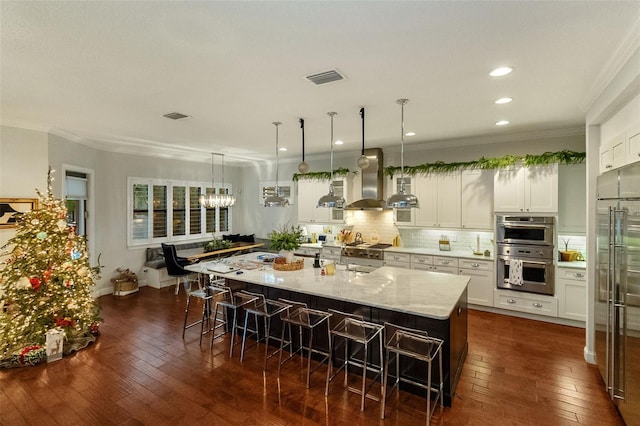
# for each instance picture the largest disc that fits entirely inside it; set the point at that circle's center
(214, 199)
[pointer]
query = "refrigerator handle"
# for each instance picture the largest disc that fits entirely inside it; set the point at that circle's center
(609, 362)
(620, 290)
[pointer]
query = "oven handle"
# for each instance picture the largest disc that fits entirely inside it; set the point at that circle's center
(522, 226)
(524, 262)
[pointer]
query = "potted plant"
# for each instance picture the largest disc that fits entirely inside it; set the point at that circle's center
(568, 255)
(285, 240)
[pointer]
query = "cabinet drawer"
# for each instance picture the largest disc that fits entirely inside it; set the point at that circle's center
(419, 259)
(422, 267)
(397, 257)
(306, 251)
(572, 274)
(445, 261)
(395, 263)
(479, 265)
(331, 251)
(445, 269)
(533, 305)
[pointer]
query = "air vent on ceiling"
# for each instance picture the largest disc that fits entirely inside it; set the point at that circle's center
(325, 77)
(176, 116)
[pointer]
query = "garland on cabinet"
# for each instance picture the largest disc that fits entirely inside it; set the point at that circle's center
(560, 157)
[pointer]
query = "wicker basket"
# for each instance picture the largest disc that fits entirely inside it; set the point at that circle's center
(296, 265)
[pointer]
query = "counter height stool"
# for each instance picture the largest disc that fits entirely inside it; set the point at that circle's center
(351, 328)
(299, 315)
(206, 293)
(417, 345)
(234, 302)
(261, 308)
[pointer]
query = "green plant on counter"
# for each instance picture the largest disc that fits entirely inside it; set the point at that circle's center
(566, 243)
(216, 244)
(285, 238)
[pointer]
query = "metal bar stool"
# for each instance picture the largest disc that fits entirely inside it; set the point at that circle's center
(206, 293)
(417, 345)
(351, 328)
(261, 308)
(234, 302)
(299, 315)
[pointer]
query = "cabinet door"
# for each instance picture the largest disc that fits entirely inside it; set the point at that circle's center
(426, 188)
(480, 288)
(476, 201)
(633, 144)
(449, 200)
(571, 288)
(572, 198)
(340, 188)
(613, 153)
(308, 194)
(508, 190)
(541, 189)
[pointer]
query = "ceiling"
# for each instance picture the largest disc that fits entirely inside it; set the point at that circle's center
(104, 73)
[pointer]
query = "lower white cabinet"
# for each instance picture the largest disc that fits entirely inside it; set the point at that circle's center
(402, 260)
(307, 251)
(571, 288)
(526, 302)
(480, 289)
(332, 253)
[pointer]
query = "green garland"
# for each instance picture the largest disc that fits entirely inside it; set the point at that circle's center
(561, 157)
(342, 171)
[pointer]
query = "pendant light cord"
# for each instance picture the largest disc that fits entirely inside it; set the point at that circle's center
(302, 127)
(362, 116)
(277, 123)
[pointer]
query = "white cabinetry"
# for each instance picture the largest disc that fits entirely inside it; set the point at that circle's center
(439, 197)
(633, 144)
(526, 189)
(572, 199)
(480, 289)
(447, 265)
(331, 253)
(571, 288)
(402, 260)
(307, 251)
(613, 153)
(476, 199)
(309, 191)
(422, 261)
(526, 302)
(342, 187)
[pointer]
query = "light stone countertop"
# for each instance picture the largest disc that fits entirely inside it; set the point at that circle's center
(416, 292)
(435, 252)
(574, 264)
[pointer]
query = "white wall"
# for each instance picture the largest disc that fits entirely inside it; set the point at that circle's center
(23, 166)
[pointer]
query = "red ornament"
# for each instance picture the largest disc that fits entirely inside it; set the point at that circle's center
(47, 275)
(35, 283)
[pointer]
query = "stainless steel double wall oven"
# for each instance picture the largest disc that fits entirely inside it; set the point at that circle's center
(525, 253)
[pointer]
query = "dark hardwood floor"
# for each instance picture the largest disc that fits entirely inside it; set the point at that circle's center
(140, 371)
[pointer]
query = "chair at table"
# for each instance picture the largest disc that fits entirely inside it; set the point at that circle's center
(229, 301)
(351, 328)
(299, 315)
(415, 345)
(266, 309)
(175, 265)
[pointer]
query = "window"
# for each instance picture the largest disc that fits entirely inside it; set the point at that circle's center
(161, 211)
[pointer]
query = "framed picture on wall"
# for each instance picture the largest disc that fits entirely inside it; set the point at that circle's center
(11, 208)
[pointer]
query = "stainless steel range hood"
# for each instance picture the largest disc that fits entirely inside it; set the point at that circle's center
(372, 195)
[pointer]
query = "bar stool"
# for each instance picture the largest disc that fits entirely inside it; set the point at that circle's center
(206, 293)
(299, 315)
(417, 345)
(229, 301)
(261, 308)
(352, 328)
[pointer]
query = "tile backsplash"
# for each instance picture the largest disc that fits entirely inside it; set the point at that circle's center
(458, 239)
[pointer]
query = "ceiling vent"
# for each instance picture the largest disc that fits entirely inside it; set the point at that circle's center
(325, 77)
(176, 116)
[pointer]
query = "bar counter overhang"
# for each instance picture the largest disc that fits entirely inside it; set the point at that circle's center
(430, 301)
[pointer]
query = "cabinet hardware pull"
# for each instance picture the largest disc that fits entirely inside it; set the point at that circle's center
(475, 265)
(578, 275)
(396, 257)
(608, 166)
(420, 260)
(445, 262)
(537, 305)
(511, 301)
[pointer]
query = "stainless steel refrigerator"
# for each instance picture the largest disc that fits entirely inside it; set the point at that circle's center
(617, 293)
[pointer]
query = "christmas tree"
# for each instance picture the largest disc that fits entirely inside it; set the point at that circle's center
(45, 283)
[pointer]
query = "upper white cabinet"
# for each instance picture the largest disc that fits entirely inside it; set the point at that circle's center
(572, 214)
(342, 187)
(526, 189)
(439, 198)
(477, 199)
(633, 144)
(309, 191)
(613, 153)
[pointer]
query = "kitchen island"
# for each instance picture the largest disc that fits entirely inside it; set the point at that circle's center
(430, 301)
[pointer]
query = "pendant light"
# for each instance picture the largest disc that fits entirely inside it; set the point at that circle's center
(401, 199)
(303, 167)
(276, 200)
(331, 200)
(214, 200)
(363, 161)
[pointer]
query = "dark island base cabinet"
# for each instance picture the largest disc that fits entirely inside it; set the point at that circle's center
(452, 330)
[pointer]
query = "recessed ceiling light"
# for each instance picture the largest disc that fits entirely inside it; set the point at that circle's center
(283, 149)
(500, 71)
(339, 142)
(410, 134)
(502, 123)
(503, 101)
